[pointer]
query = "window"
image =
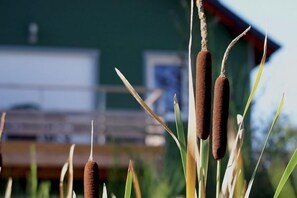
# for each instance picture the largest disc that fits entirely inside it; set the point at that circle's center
(167, 71)
(52, 68)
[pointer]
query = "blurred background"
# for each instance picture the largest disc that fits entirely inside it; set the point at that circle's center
(57, 61)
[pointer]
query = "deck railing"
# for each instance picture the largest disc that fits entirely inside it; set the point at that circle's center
(119, 134)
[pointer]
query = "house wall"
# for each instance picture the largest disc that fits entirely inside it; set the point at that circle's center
(123, 31)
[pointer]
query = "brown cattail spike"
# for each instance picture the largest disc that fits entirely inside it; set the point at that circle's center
(203, 94)
(220, 117)
(91, 179)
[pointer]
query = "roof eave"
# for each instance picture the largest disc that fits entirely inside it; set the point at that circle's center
(238, 25)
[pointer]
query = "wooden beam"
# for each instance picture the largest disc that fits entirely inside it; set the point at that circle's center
(51, 157)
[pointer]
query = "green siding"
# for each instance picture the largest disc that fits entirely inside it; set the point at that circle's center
(122, 31)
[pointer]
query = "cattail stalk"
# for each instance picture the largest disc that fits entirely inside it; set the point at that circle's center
(218, 179)
(62, 176)
(91, 174)
(203, 25)
(8, 188)
(221, 106)
(70, 172)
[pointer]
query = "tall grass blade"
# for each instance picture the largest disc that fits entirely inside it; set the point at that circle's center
(203, 168)
(205, 158)
(70, 172)
(32, 187)
(129, 179)
(2, 124)
(180, 133)
(44, 189)
(236, 177)
(258, 77)
(113, 196)
(147, 108)
(191, 172)
(62, 176)
(289, 169)
(192, 150)
(8, 188)
(104, 193)
(262, 151)
(136, 183)
(218, 179)
(234, 155)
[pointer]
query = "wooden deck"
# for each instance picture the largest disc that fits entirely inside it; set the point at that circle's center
(120, 136)
(50, 157)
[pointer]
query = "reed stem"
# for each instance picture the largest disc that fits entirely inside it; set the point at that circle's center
(218, 183)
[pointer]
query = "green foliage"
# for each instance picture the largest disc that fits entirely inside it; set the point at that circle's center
(128, 186)
(44, 189)
(32, 179)
(180, 133)
(277, 154)
(264, 146)
(289, 169)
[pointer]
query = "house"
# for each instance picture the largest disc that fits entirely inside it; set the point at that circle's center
(57, 59)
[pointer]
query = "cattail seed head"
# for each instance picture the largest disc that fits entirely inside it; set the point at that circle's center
(220, 117)
(203, 94)
(91, 179)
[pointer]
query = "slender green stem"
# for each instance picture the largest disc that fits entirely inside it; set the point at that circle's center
(218, 178)
(200, 170)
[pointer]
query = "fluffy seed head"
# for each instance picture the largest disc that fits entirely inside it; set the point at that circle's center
(203, 94)
(220, 117)
(91, 179)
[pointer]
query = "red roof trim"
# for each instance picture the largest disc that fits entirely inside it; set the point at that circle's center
(237, 25)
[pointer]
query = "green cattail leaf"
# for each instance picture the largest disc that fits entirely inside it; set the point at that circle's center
(262, 151)
(180, 133)
(44, 189)
(33, 181)
(147, 108)
(129, 179)
(8, 188)
(289, 169)
(258, 77)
